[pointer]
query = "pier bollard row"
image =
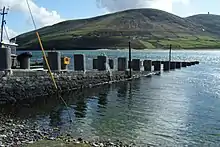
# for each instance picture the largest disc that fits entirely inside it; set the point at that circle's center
(79, 62)
(147, 65)
(101, 65)
(54, 61)
(122, 64)
(136, 64)
(184, 64)
(189, 63)
(178, 65)
(5, 56)
(172, 65)
(166, 65)
(157, 65)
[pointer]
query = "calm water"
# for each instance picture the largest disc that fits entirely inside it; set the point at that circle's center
(178, 108)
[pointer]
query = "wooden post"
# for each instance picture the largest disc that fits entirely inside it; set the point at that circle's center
(130, 59)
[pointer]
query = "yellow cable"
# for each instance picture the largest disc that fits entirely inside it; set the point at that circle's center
(45, 58)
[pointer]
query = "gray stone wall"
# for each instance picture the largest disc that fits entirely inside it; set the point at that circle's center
(29, 85)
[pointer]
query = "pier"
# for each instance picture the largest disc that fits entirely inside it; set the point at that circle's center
(26, 81)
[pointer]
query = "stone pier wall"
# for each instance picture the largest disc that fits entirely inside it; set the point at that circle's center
(26, 86)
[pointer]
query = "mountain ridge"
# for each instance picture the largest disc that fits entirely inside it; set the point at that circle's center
(145, 28)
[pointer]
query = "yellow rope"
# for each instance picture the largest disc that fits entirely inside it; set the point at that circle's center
(45, 58)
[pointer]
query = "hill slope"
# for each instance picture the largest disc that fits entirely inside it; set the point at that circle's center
(210, 23)
(148, 28)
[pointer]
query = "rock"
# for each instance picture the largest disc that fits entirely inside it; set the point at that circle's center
(18, 80)
(95, 145)
(51, 138)
(30, 142)
(101, 145)
(18, 143)
(20, 134)
(3, 136)
(4, 78)
(77, 142)
(80, 139)
(10, 120)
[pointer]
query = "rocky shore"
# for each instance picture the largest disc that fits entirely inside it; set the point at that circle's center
(20, 133)
(27, 86)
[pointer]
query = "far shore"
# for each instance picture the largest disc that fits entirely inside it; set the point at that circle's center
(123, 49)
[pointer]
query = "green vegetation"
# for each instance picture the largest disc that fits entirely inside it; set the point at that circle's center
(145, 28)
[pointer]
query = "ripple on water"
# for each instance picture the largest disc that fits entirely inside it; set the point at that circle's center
(177, 108)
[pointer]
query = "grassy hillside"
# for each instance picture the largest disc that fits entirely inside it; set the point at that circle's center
(210, 23)
(147, 28)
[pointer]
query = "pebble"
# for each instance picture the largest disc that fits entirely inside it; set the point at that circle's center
(3, 136)
(80, 139)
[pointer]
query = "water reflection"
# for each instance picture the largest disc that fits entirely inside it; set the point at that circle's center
(178, 108)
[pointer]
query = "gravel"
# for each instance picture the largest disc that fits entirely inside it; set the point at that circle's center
(19, 133)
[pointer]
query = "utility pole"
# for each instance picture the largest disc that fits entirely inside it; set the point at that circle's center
(3, 13)
(130, 59)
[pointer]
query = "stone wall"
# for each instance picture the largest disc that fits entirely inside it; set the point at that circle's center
(26, 86)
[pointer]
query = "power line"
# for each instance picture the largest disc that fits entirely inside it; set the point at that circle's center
(3, 13)
(6, 33)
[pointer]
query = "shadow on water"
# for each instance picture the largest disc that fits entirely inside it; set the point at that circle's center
(54, 107)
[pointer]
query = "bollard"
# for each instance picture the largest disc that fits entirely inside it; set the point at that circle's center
(101, 63)
(157, 65)
(166, 65)
(122, 64)
(178, 65)
(5, 57)
(189, 64)
(147, 65)
(79, 62)
(136, 64)
(111, 63)
(24, 59)
(197, 62)
(193, 63)
(184, 64)
(54, 61)
(95, 64)
(172, 65)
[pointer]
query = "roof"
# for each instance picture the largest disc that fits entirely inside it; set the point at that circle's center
(9, 43)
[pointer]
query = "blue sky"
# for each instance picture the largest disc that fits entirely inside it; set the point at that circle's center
(47, 12)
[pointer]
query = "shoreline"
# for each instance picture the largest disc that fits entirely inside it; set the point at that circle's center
(25, 86)
(122, 49)
(24, 133)
(21, 133)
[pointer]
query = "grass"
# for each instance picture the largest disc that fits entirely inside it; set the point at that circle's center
(48, 143)
(147, 44)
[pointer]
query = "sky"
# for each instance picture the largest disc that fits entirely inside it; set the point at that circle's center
(48, 12)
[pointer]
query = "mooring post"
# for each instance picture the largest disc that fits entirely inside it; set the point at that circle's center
(170, 53)
(130, 59)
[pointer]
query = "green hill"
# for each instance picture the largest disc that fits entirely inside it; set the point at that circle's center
(146, 28)
(210, 23)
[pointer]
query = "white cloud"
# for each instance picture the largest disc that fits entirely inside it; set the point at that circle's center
(118, 5)
(42, 16)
